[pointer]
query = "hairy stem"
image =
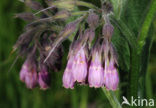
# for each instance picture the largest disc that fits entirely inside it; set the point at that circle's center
(84, 97)
(74, 99)
(112, 98)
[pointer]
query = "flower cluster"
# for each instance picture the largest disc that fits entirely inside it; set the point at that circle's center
(96, 65)
(92, 59)
(34, 71)
(35, 44)
(29, 73)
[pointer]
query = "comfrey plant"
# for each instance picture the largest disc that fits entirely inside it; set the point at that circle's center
(92, 59)
(102, 45)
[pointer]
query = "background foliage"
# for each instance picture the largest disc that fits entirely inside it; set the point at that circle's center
(14, 94)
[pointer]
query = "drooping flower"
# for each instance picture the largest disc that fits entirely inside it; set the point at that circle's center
(24, 70)
(31, 77)
(28, 73)
(96, 73)
(111, 77)
(80, 66)
(43, 77)
(68, 80)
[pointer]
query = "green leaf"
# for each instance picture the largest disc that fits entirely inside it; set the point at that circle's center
(146, 25)
(117, 7)
(112, 98)
(122, 49)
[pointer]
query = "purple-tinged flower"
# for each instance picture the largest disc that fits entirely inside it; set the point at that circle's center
(28, 73)
(68, 80)
(31, 76)
(80, 66)
(96, 73)
(24, 70)
(111, 78)
(43, 77)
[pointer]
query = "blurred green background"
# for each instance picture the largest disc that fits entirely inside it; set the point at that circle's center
(14, 94)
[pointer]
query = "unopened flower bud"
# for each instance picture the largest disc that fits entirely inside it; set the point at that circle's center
(107, 30)
(93, 20)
